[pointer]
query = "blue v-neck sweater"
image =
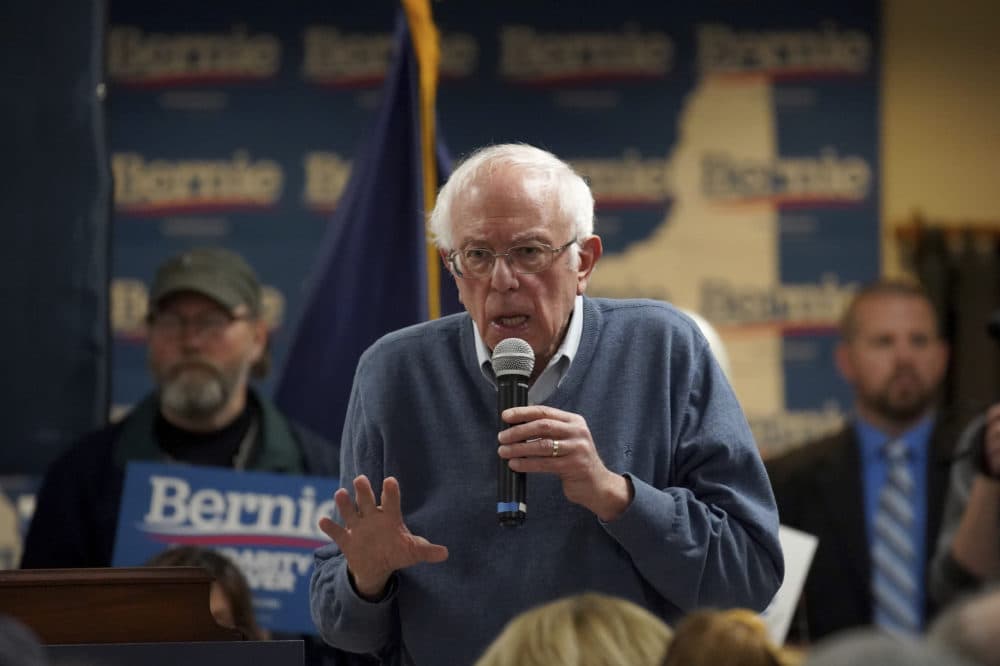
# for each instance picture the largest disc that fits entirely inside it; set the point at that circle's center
(702, 529)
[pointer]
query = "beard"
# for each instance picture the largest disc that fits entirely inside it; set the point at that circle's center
(197, 390)
(903, 398)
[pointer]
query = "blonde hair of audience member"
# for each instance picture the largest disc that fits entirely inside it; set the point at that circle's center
(230, 600)
(583, 630)
(736, 637)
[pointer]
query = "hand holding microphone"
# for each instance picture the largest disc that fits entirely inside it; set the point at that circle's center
(539, 438)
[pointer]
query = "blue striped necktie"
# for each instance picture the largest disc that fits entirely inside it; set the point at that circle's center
(896, 605)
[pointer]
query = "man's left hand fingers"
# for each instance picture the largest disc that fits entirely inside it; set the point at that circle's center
(533, 413)
(542, 447)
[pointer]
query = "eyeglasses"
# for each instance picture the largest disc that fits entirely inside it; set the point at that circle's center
(172, 325)
(477, 262)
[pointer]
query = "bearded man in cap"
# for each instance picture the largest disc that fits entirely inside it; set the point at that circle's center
(206, 338)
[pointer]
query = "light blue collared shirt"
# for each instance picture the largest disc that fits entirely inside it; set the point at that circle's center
(876, 469)
(554, 372)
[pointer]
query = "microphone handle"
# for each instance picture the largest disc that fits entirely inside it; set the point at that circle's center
(512, 487)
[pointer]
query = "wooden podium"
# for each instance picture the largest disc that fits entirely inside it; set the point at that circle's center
(115, 605)
(155, 616)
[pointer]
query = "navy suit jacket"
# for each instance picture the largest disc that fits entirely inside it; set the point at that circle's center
(818, 488)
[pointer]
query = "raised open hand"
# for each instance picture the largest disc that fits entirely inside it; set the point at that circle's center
(373, 538)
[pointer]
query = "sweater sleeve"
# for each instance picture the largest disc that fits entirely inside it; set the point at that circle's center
(709, 537)
(343, 618)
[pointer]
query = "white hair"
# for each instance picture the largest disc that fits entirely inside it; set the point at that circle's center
(715, 343)
(572, 195)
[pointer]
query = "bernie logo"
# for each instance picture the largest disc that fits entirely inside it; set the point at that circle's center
(210, 517)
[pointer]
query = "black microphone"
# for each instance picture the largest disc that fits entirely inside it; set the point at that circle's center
(513, 360)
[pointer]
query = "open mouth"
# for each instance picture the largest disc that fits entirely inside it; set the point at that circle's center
(514, 321)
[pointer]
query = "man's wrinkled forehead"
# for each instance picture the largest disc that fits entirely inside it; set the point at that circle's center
(497, 197)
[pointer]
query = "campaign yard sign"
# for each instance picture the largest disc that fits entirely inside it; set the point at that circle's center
(264, 522)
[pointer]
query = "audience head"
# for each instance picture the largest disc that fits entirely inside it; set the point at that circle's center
(892, 354)
(736, 637)
(206, 336)
(583, 630)
(859, 647)
(231, 602)
(19, 646)
(971, 628)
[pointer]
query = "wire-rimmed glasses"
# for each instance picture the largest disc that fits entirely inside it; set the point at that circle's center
(528, 257)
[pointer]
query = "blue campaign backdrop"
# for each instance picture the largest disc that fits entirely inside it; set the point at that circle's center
(732, 148)
(265, 523)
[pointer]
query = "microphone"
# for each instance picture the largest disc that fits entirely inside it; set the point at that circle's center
(513, 360)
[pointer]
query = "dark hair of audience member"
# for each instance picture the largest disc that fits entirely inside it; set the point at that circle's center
(736, 637)
(232, 603)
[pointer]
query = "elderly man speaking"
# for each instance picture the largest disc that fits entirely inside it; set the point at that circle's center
(645, 482)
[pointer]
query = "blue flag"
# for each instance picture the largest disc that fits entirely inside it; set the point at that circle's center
(372, 272)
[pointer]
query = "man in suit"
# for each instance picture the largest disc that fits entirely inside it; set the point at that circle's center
(876, 513)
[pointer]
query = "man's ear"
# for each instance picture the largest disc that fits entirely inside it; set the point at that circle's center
(444, 260)
(447, 266)
(844, 362)
(260, 336)
(591, 250)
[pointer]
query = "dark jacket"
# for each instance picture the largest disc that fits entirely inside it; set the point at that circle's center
(819, 490)
(76, 509)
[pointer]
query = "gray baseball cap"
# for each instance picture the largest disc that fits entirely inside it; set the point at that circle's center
(215, 272)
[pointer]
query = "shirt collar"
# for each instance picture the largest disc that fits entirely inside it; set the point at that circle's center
(567, 349)
(872, 439)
